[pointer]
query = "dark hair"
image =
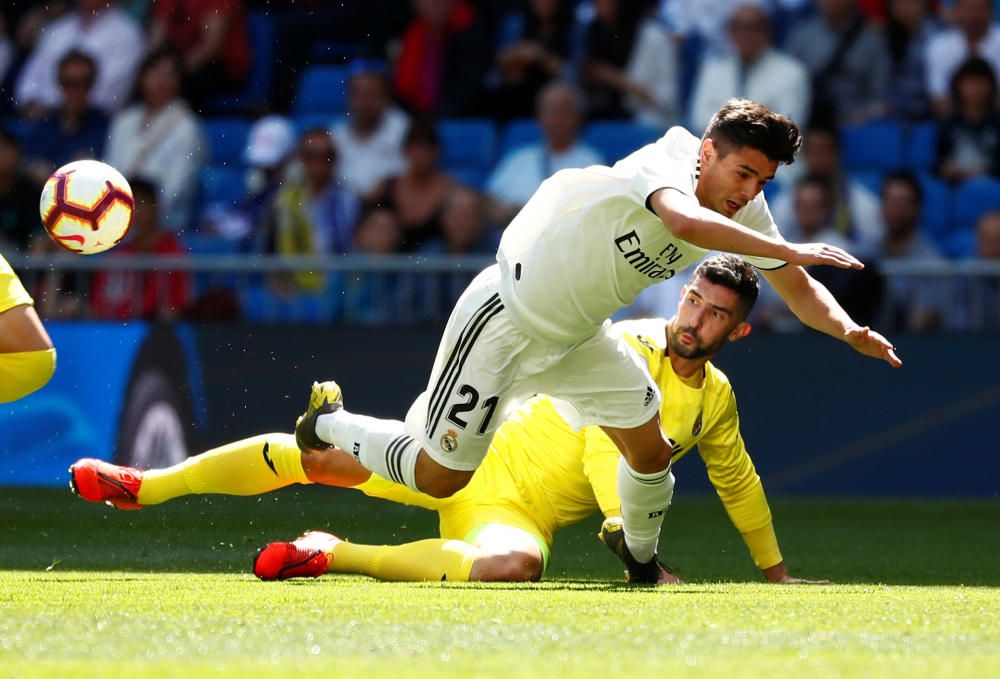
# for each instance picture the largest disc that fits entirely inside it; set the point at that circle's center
(732, 272)
(973, 67)
(76, 56)
(907, 178)
(819, 181)
(144, 190)
(422, 131)
(150, 60)
(741, 122)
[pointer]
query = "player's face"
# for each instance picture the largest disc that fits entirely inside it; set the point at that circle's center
(730, 181)
(708, 314)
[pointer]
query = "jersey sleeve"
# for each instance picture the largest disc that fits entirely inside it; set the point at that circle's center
(757, 216)
(600, 466)
(732, 472)
(652, 168)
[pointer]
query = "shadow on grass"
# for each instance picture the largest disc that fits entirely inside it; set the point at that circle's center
(848, 541)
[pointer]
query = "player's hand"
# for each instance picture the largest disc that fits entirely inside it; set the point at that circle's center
(668, 578)
(870, 343)
(806, 254)
(778, 574)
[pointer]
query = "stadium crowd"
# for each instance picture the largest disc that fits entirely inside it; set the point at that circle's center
(308, 127)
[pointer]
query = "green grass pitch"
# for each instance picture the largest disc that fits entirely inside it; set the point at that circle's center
(88, 591)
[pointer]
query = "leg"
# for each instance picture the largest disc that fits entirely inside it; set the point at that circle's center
(506, 554)
(251, 466)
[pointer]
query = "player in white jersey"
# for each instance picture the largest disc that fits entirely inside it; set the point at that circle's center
(584, 246)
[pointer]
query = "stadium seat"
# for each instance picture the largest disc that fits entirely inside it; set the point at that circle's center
(870, 179)
(323, 89)
(519, 133)
(937, 206)
(614, 139)
(471, 177)
(309, 121)
(261, 305)
(467, 145)
(260, 30)
(873, 146)
(920, 150)
(971, 199)
(227, 138)
(221, 184)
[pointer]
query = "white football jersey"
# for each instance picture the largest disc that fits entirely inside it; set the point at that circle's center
(586, 244)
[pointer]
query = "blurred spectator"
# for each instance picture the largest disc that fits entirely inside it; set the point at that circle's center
(370, 138)
(75, 130)
(534, 50)
(704, 23)
(379, 297)
(269, 145)
(629, 65)
(313, 215)
(847, 60)
(968, 141)
(988, 237)
(521, 170)
(7, 50)
(152, 295)
(754, 70)
(464, 227)
(378, 233)
(159, 138)
(855, 209)
(211, 38)
(975, 299)
(102, 30)
(442, 63)
(19, 220)
(913, 304)
(908, 30)
(974, 34)
(417, 195)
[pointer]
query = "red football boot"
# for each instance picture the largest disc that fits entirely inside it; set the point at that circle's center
(100, 481)
(307, 557)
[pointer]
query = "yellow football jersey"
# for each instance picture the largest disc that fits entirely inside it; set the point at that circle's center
(12, 293)
(541, 475)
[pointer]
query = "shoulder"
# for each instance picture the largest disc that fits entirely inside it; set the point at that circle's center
(778, 60)
(644, 334)
(718, 385)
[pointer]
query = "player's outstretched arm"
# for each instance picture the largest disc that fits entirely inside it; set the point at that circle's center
(688, 220)
(816, 307)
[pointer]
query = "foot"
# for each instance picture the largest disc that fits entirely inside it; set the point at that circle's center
(324, 398)
(307, 557)
(100, 481)
(613, 535)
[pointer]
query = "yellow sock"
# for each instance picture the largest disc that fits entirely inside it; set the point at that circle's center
(249, 467)
(424, 560)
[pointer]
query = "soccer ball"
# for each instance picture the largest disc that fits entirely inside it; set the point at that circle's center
(87, 206)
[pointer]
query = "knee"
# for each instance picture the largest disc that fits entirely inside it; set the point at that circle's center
(650, 458)
(444, 484)
(509, 567)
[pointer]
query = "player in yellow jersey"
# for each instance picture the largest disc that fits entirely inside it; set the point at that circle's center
(539, 475)
(27, 357)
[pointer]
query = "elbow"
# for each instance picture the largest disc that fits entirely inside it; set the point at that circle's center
(681, 226)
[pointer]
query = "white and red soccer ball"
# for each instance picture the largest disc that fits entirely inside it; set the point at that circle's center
(87, 206)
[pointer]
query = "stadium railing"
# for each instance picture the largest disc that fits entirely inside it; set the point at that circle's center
(418, 289)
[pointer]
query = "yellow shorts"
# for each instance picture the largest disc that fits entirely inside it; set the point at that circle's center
(491, 497)
(12, 293)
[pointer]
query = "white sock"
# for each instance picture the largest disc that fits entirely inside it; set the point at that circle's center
(381, 446)
(645, 498)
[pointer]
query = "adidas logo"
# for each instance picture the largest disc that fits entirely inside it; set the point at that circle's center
(650, 395)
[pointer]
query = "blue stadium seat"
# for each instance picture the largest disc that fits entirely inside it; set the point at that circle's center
(614, 139)
(323, 89)
(870, 179)
(519, 133)
(221, 184)
(873, 146)
(467, 145)
(227, 138)
(260, 30)
(971, 199)
(205, 244)
(308, 121)
(920, 150)
(261, 305)
(472, 177)
(937, 206)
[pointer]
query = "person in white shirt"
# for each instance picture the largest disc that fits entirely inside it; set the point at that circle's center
(370, 138)
(159, 139)
(102, 30)
(754, 70)
(521, 170)
(584, 246)
(975, 33)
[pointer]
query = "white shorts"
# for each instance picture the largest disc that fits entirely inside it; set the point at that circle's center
(486, 366)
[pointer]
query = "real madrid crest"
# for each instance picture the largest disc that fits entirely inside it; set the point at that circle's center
(696, 429)
(449, 442)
